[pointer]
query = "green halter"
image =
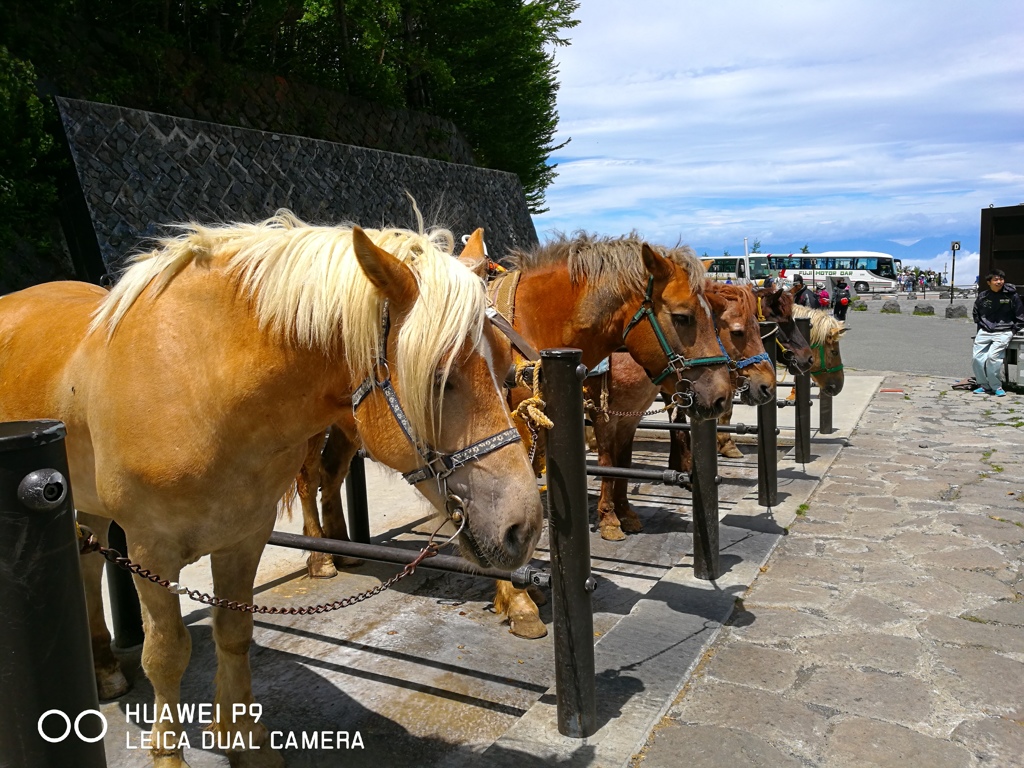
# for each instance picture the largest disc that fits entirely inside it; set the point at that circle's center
(676, 363)
(823, 369)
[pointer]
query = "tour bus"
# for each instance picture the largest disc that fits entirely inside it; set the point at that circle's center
(738, 269)
(865, 271)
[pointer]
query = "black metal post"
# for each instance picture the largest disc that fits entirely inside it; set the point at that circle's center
(705, 500)
(659, 476)
(124, 598)
(802, 443)
(767, 443)
(825, 414)
(355, 496)
(49, 711)
(569, 540)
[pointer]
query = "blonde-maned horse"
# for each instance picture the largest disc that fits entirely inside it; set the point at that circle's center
(191, 390)
(826, 331)
(591, 293)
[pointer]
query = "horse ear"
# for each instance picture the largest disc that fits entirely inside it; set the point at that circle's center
(657, 265)
(390, 276)
(473, 254)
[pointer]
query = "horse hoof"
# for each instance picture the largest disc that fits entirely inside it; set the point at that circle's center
(731, 451)
(344, 561)
(111, 684)
(528, 627)
(537, 595)
(612, 533)
(320, 566)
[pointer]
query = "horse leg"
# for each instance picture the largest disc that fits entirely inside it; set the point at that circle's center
(605, 430)
(318, 564)
(726, 445)
(110, 680)
(234, 571)
(523, 615)
(335, 460)
(167, 647)
(627, 516)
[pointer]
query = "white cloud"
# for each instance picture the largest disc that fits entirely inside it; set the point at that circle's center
(800, 121)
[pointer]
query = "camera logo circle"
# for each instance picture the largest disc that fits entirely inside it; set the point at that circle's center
(68, 727)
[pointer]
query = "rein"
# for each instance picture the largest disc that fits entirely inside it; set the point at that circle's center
(436, 465)
(676, 363)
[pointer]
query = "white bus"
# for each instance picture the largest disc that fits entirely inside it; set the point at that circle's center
(865, 271)
(738, 269)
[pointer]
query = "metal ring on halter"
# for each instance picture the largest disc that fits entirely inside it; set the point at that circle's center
(742, 384)
(677, 399)
(461, 524)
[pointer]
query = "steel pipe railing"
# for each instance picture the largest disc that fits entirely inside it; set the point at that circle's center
(381, 553)
(569, 541)
(767, 429)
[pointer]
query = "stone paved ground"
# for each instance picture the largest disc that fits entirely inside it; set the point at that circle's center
(887, 629)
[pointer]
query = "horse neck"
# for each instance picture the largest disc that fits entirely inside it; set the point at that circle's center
(553, 312)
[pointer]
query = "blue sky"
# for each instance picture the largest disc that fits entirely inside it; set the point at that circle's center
(843, 125)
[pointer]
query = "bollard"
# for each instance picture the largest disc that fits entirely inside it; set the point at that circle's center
(45, 649)
(767, 443)
(825, 414)
(569, 541)
(355, 496)
(125, 610)
(703, 438)
(802, 442)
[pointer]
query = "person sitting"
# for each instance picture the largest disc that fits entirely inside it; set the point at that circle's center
(802, 294)
(998, 313)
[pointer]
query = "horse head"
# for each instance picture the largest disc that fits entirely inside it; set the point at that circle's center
(736, 317)
(777, 307)
(432, 406)
(827, 370)
(679, 347)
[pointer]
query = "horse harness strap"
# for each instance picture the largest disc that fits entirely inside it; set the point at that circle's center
(502, 293)
(436, 464)
(763, 319)
(676, 363)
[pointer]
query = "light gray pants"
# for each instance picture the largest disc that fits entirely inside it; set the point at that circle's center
(988, 357)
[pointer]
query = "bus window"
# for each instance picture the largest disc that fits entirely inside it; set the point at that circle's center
(739, 269)
(844, 263)
(807, 264)
(759, 267)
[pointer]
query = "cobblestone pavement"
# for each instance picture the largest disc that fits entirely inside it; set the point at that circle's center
(887, 628)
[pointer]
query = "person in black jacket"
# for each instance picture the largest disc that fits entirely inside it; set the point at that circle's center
(802, 294)
(999, 313)
(841, 300)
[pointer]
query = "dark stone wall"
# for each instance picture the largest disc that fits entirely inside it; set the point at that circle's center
(140, 171)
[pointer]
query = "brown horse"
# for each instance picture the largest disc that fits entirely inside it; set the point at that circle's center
(190, 392)
(625, 393)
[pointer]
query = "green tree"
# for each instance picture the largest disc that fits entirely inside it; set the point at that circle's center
(27, 157)
(805, 249)
(756, 247)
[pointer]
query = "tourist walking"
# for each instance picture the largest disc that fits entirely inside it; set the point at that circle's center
(841, 300)
(998, 313)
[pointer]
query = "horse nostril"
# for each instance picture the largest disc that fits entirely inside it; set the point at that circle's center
(516, 538)
(719, 405)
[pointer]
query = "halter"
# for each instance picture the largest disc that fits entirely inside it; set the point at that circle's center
(761, 318)
(676, 363)
(823, 369)
(435, 464)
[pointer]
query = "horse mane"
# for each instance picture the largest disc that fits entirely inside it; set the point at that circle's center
(613, 262)
(822, 323)
(307, 287)
(732, 292)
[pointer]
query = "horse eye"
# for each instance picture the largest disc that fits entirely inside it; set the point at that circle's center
(737, 332)
(449, 385)
(682, 319)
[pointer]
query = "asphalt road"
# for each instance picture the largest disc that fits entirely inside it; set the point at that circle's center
(905, 342)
